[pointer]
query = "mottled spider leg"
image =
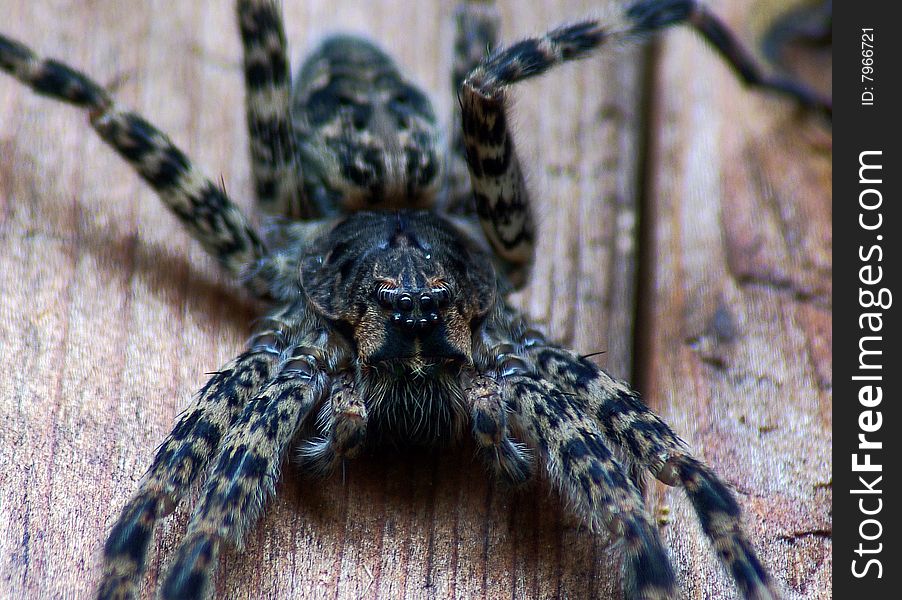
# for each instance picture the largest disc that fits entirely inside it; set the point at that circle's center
(342, 423)
(508, 458)
(203, 207)
(179, 460)
(738, 57)
(502, 201)
(274, 155)
(476, 33)
(578, 460)
(246, 470)
(624, 418)
(810, 24)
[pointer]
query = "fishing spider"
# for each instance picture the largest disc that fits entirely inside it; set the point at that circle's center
(388, 319)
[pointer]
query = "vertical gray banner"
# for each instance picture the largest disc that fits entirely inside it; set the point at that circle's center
(867, 60)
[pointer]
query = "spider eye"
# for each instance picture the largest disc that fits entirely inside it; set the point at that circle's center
(442, 295)
(405, 302)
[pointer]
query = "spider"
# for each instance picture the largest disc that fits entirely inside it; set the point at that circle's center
(388, 319)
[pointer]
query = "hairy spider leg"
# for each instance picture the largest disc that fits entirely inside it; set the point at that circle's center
(476, 27)
(558, 384)
(502, 200)
(245, 471)
(580, 463)
(203, 207)
(647, 439)
(275, 161)
(179, 460)
(507, 457)
(342, 428)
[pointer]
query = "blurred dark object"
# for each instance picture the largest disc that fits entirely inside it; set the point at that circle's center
(799, 42)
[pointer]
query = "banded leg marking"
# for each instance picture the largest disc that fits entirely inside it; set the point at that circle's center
(502, 202)
(203, 207)
(623, 418)
(476, 34)
(245, 472)
(579, 462)
(275, 166)
(180, 459)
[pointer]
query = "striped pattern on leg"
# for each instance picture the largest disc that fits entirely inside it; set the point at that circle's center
(502, 201)
(180, 459)
(637, 19)
(476, 34)
(245, 472)
(499, 189)
(623, 418)
(203, 207)
(276, 170)
(580, 463)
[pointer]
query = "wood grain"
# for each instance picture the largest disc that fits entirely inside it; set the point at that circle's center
(736, 321)
(110, 315)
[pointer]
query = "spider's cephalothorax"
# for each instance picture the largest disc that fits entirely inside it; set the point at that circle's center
(388, 317)
(410, 291)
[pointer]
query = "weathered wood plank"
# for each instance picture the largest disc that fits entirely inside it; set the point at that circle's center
(736, 344)
(109, 315)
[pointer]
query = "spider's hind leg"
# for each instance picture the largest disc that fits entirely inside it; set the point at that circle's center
(476, 34)
(499, 190)
(743, 63)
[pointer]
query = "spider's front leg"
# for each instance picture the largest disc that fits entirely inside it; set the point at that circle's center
(648, 440)
(574, 414)
(202, 206)
(510, 400)
(579, 461)
(247, 465)
(180, 459)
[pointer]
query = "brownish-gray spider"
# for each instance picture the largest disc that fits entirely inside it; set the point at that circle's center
(388, 319)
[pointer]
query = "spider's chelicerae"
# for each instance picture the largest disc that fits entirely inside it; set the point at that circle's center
(388, 319)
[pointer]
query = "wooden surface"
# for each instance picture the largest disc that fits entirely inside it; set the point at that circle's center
(110, 315)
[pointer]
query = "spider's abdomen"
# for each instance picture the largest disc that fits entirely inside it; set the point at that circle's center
(368, 138)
